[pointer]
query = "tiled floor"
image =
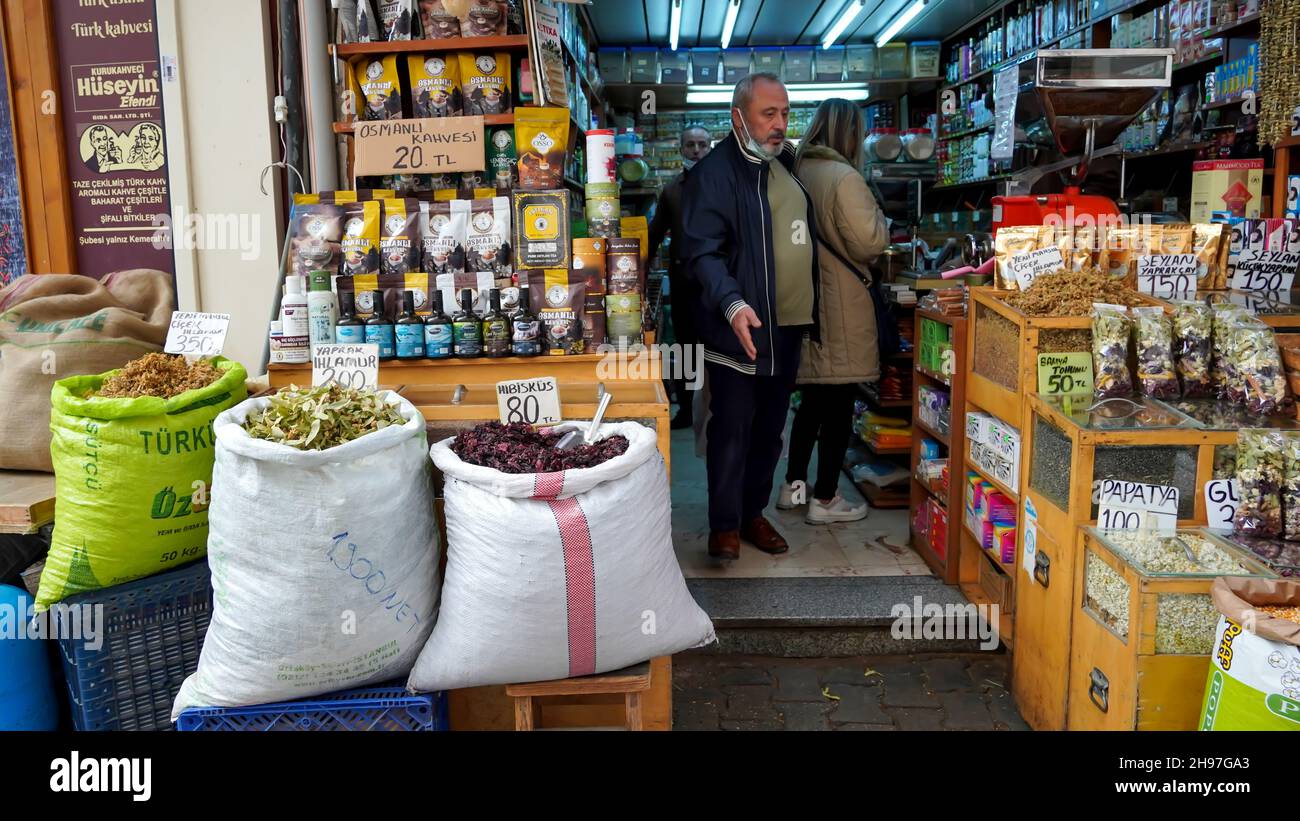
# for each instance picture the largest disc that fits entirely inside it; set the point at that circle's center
(876, 546)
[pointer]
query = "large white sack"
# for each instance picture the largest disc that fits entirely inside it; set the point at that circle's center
(553, 575)
(324, 564)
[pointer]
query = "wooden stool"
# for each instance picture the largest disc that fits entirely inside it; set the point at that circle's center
(630, 681)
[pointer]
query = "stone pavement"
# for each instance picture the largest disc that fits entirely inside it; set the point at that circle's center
(922, 692)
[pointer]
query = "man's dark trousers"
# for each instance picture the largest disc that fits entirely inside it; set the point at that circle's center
(745, 433)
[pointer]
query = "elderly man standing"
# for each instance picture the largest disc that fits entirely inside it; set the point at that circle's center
(750, 248)
(696, 142)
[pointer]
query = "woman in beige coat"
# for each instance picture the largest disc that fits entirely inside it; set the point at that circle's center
(849, 226)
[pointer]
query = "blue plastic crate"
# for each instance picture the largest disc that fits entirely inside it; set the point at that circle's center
(152, 635)
(387, 708)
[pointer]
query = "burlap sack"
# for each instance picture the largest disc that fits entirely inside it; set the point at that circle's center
(53, 326)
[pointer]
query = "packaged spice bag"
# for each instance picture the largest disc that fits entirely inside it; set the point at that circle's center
(1260, 475)
(398, 19)
(435, 85)
(317, 232)
(558, 298)
(501, 159)
(1082, 248)
(1221, 370)
(399, 241)
(485, 82)
(1291, 485)
(379, 88)
(1261, 380)
(1210, 244)
(541, 229)
(1193, 324)
(1153, 335)
(437, 22)
(360, 243)
(487, 243)
(1011, 241)
(1111, 328)
(444, 230)
(484, 18)
(365, 24)
(542, 135)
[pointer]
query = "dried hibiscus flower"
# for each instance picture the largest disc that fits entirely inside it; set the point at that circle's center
(519, 448)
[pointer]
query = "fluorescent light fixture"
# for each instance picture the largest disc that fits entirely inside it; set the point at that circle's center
(675, 26)
(900, 22)
(822, 87)
(729, 24)
(850, 14)
(802, 93)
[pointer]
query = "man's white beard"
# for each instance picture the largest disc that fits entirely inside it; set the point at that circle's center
(754, 146)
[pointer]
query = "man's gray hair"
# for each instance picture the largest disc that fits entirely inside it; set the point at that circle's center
(744, 93)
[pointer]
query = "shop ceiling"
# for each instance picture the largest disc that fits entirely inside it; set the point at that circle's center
(772, 22)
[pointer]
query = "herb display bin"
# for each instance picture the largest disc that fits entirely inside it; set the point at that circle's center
(1144, 627)
(1070, 449)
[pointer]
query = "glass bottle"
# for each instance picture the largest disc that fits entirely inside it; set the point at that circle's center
(526, 330)
(349, 330)
(379, 330)
(409, 330)
(467, 330)
(496, 329)
(437, 331)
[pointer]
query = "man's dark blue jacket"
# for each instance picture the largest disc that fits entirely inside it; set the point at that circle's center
(727, 248)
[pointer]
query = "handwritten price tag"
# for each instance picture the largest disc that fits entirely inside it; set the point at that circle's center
(1259, 270)
(425, 146)
(1221, 499)
(197, 334)
(1137, 506)
(1064, 373)
(535, 401)
(349, 366)
(1028, 267)
(1167, 275)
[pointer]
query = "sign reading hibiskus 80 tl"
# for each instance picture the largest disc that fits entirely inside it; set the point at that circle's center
(111, 100)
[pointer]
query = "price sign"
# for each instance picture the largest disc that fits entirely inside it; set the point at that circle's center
(1006, 88)
(1221, 499)
(197, 334)
(1136, 506)
(426, 146)
(1028, 267)
(535, 401)
(1065, 373)
(1030, 539)
(1259, 270)
(1167, 275)
(349, 366)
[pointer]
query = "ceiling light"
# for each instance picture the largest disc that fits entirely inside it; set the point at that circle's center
(799, 93)
(729, 25)
(675, 27)
(843, 86)
(900, 22)
(849, 15)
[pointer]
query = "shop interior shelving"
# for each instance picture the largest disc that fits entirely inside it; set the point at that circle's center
(946, 566)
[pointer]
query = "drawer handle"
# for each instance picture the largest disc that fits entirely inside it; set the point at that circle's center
(1042, 567)
(1099, 690)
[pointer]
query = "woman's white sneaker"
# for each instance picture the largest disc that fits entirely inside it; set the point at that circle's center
(837, 510)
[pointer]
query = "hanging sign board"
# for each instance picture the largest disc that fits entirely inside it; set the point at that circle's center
(427, 146)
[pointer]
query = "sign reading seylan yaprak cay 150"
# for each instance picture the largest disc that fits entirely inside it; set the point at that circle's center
(112, 109)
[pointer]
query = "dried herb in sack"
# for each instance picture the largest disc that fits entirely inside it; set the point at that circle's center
(159, 374)
(322, 417)
(518, 448)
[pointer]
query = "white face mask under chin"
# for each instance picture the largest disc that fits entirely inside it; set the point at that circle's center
(688, 164)
(753, 145)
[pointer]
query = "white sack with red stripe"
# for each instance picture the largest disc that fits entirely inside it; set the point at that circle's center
(324, 563)
(553, 575)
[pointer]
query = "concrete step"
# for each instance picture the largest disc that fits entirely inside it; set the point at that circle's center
(839, 616)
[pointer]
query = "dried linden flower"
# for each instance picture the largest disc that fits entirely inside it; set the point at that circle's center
(322, 417)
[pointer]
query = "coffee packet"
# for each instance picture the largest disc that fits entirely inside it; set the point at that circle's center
(435, 85)
(1210, 244)
(484, 18)
(378, 88)
(488, 239)
(485, 82)
(542, 136)
(365, 25)
(541, 229)
(398, 19)
(501, 159)
(589, 263)
(558, 298)
(437, 22)
(593, 321)
(317, 233)
(623, 273)
(360, 242)
(399, 240)
(444, 230)
(479, 284)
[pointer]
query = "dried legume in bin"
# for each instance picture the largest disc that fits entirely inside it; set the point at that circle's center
(1291, 485)
(1111, 326)
(1153, 336)
(1260, 474)
(1193, 324)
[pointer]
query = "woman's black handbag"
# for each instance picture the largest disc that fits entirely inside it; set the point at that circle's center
(888, 338)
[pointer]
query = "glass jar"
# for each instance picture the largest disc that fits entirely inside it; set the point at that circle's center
(918, 143)
(883, 144)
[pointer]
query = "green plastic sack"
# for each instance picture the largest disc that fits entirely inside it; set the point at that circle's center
(1254, 680)
(126, 472)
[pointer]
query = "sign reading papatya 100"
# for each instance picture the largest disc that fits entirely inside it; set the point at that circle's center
(111, 101)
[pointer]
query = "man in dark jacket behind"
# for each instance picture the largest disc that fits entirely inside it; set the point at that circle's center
(750, 248)
(696, 142)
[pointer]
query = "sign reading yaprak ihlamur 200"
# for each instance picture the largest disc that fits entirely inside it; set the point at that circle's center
(112, 108)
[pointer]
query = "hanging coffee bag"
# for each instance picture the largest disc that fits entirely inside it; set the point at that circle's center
(378, 88)
(541, 136)
(438, 22)
(399, 240)
(443, 231)
(485, 82)
(435, 85)
(484, 18)
(360, 243)
(488, 240)
(501, 159)
(398, 19)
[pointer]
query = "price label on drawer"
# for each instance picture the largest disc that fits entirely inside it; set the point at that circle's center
(1167, 275)
(1136, 506)
(1221, 499)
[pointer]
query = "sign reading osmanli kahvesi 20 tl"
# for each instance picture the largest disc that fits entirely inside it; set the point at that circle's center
(426, 146)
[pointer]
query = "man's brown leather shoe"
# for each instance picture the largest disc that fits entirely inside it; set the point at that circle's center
(724, 544)
(760, 533)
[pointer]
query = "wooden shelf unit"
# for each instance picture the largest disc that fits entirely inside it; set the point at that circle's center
(944, 567)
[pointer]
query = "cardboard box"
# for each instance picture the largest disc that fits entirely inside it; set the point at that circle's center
(1235, 186)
